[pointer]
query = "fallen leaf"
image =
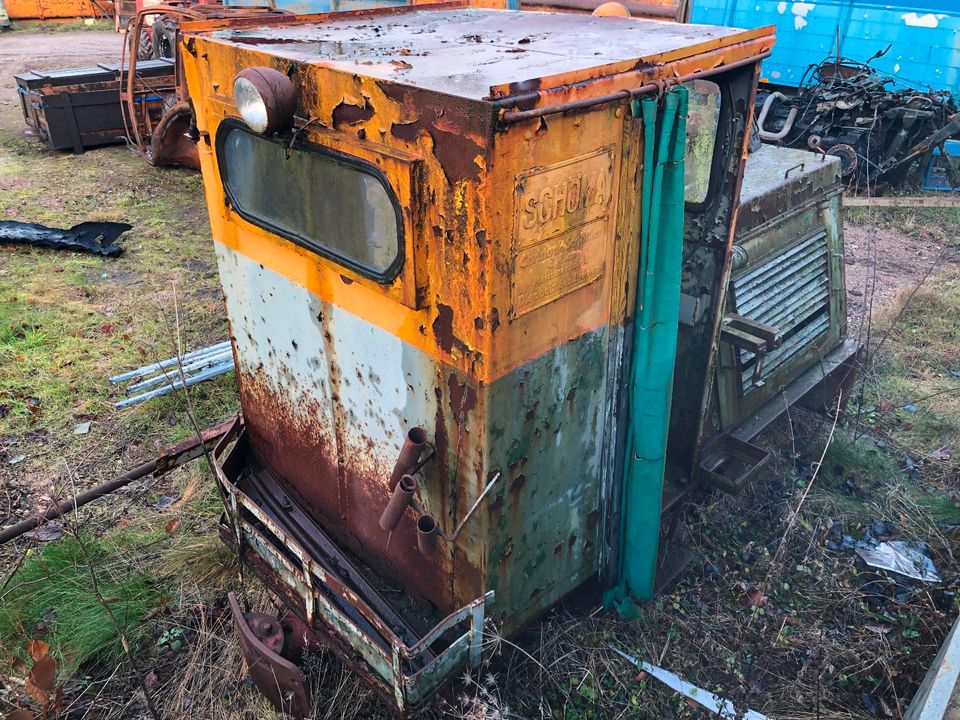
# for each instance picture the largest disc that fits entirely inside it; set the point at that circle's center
(40, 434)
(43, 503)
(47, 532)
(19, 665)
(37, 649)
(39, 682)
(172, 525)
(21, 714)
(150, 679)
(943, 453)
(401, 64)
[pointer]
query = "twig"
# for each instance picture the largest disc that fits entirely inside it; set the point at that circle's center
(794, 514)
(95, 586)
(192, 414)
(893, 323)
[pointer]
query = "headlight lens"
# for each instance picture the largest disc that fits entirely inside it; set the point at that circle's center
(251, 106)
(266, 99)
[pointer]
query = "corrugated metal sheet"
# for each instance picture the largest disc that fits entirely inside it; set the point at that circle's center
(925, 35)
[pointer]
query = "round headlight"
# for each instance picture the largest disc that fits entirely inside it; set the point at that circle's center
(611, 9)
(266, 99)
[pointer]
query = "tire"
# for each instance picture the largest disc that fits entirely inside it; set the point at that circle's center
(145, 46)
(164, 38)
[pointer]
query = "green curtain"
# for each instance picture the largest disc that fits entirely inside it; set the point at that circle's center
(654, 348)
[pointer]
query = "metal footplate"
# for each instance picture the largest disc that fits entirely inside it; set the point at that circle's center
(296, 559)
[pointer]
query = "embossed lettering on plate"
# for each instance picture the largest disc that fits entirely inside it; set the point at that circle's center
(561, 220)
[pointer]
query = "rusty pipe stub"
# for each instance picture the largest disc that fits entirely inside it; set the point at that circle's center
(427, 532)
(401, 498)
(413, 445)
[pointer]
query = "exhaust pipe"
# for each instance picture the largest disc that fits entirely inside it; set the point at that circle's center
(426, 534)
(401, 498)
(413, 445)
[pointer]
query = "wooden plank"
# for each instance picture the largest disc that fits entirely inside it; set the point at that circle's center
(927, 201)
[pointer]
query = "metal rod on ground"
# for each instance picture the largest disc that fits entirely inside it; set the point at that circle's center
(169, 362)
(166, 376)
(172, 457)
(177, 384)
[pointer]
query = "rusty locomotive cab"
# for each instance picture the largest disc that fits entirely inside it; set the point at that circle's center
(466, 253)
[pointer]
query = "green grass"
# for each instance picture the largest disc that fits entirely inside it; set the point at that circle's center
(69, 321)
(935, 224)
(54, 587)
(55, 26)
(914, 390)
(139, 569)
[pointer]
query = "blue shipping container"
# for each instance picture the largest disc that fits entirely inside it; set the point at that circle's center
(924, 36)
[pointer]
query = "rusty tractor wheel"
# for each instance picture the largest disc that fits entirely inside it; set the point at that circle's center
(164, 38)
(145, 46)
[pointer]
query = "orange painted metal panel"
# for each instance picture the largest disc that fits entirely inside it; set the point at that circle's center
(463, 198)
(57, 9)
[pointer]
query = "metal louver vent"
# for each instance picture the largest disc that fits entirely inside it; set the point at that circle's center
(790, 291)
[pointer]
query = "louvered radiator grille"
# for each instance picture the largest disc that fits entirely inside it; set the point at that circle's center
(790, 291)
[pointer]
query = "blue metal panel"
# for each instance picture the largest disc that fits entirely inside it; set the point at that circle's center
(925, 35)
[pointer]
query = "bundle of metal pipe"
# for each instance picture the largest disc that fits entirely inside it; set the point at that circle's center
(162, 378)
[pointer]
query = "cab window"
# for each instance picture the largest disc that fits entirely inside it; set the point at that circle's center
(703, 124)
(336, 205)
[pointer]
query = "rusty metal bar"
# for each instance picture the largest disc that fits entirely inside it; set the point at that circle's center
(413, 445)
(512, 116)
(170, 458)
(426, 534)
(402, 495)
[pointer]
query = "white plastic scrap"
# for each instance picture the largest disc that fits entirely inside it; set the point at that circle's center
(719, 706)
(903, 558)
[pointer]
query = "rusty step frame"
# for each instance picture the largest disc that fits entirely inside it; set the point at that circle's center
(328, 592)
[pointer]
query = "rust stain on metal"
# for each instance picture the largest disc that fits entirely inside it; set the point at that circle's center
(495, 341)
(349, 113)
(459, 136)
(462, 397)
(443, 327)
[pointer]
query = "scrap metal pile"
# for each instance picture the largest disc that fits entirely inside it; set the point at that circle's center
(848, 109)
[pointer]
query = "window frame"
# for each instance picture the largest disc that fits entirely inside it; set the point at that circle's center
(721, 154)
(384, 277)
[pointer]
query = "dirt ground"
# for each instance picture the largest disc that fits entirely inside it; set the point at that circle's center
(880, 261)
(778, 617)
(51, 50)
